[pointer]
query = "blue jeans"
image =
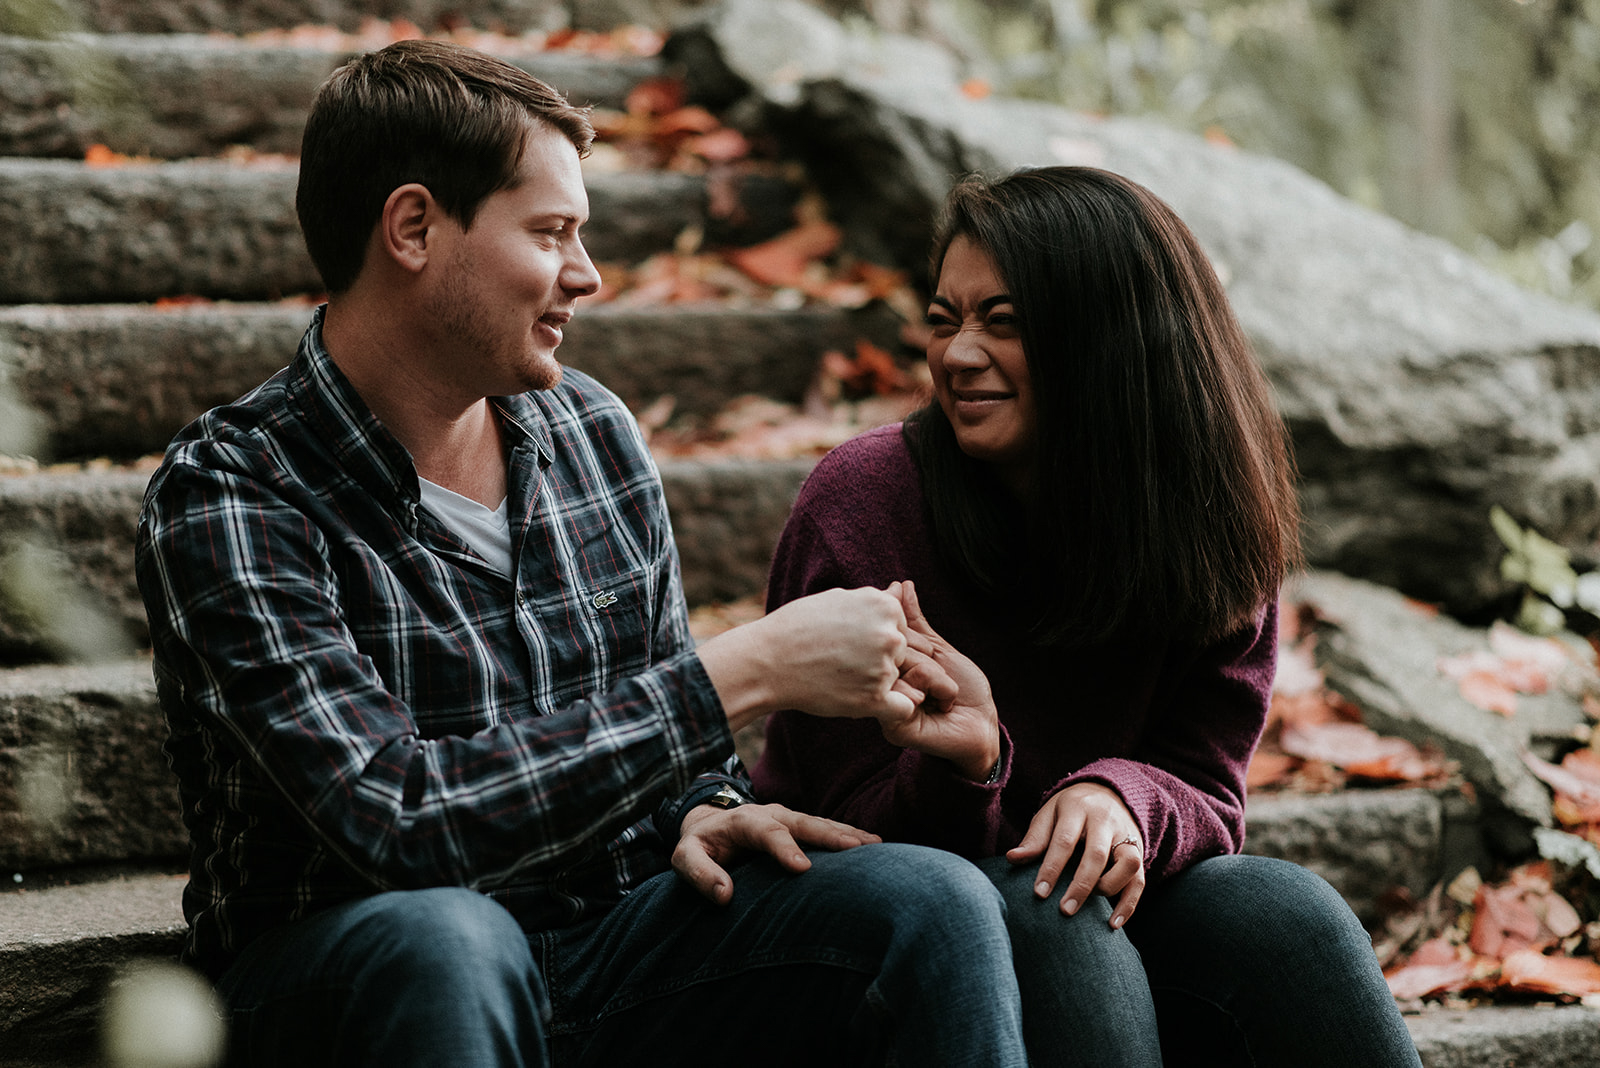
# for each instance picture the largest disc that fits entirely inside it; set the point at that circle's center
(1237, 961)
(884, 953)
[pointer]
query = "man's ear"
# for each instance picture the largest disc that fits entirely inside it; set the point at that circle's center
(407, 228)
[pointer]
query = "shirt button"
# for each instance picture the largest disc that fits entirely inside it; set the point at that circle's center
(522, 598)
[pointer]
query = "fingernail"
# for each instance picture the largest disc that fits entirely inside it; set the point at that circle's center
(1070, 906)
(1116, 921)
(1043, 889)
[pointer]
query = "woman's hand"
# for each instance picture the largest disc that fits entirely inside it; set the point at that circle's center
(1094, 817)
(955, 717)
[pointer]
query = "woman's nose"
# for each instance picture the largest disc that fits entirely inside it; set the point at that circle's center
(965, 352)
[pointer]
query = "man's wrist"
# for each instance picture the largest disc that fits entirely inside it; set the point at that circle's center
(735, 663)
(719, 793)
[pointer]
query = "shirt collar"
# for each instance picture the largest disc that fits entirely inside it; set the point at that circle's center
(363, 446)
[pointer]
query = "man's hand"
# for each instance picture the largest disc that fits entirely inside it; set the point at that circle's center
(712, 836)
(1094, 816)
(836, 653)
(957, 720)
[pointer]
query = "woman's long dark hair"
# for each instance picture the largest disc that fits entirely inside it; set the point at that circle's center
(1164, 496)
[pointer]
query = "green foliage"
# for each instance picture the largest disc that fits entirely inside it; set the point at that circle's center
(1555, 595)
(35, 18)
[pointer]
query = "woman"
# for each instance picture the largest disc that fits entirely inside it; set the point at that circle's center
(1091, 519)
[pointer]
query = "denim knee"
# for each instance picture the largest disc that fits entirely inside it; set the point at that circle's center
(445, 931)
(922, 888)
(405, 978)
(1257, 902)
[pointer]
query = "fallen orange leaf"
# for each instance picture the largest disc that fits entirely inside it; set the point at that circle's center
(1359, 750)
(1488, 691)
(1533, 971)
(722, 145)
(1575, 785)
(782, 261)
(1267, 767)
(655, 96)
(689, 119)
(1419, 980)
(1504, 923)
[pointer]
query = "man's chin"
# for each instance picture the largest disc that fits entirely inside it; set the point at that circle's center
(543, 373)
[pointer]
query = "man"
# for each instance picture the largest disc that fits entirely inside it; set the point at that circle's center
(421, 642)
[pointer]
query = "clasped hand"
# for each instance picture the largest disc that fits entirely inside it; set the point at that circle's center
(963, 727)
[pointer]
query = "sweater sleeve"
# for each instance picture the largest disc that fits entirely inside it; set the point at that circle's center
(844, 769)
(1185, 780)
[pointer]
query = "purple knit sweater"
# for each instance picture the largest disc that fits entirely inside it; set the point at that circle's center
(1169, 727)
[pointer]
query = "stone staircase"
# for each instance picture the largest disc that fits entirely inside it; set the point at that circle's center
(93, 368)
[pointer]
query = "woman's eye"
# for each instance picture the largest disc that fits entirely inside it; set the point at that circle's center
(941, 324)
(1003, 321)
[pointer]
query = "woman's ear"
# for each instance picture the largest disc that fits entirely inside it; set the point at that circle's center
(409, 218)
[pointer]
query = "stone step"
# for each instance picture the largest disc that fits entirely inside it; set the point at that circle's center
(77, 233)
(1508, 1036)
(250, 16)
(120, 380)
(60, 945)
(178, 95)
(70, 535)
(82, 778)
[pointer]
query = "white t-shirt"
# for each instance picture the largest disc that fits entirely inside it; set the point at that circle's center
(487, 530)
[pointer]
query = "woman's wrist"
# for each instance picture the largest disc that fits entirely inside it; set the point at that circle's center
(984, 770)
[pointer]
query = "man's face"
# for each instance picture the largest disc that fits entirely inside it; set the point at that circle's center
(508, 284)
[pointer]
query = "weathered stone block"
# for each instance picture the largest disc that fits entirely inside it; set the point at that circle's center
(121, 380)
(82, 776)
(726, 518)
(176, 96)
(216, 229)
(1383, 652)
(60, 949)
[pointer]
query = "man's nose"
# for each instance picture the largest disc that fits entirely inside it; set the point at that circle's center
(579, 276)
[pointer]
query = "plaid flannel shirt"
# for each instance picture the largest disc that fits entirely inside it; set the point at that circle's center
(357, 702)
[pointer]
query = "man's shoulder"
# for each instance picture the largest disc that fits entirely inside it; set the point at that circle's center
(259, 437)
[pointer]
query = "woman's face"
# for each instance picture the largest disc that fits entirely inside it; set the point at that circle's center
(980, 374)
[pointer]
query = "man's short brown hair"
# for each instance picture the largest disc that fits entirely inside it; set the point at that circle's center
(447, 117)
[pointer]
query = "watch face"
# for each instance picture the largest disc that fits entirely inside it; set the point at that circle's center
(727, 797)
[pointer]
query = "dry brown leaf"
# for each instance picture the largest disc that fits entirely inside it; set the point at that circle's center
(783, 261)
(1575, 785)
(1268, 767)
(1420, 979)
(1359, 750)
(1535, 972)
(1487, 690)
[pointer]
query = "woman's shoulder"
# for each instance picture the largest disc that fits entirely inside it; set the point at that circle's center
(866, 480)
(872, 459)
